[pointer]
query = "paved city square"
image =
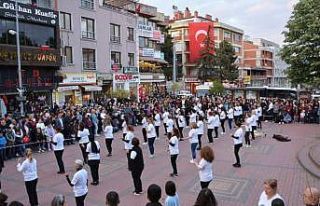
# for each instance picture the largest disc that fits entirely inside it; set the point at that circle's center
(268, 158)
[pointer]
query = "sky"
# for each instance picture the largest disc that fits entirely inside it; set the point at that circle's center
(258, 18)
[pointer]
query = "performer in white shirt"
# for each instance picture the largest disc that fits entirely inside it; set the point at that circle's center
(93, 150)
(29, 170)
(79, 183)
(230, 117)
(200, 131)
(181, 124)
(269, 193)
(144, 123)
(58, 148)
(83, 135)
(170, 125)
(210, 126)
(165, 118)
(216, 123)
(237, 141)
(205, 166)
(151, 135)
(223, 117)
(174, 151)
(108, 135)
(157, 123)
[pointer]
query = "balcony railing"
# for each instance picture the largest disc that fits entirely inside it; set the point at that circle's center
(115, 39)
(87, 35)
(88, 4)
(89, 65)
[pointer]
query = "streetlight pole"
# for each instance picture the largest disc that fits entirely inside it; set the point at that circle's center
(174, 78)
(20, 89)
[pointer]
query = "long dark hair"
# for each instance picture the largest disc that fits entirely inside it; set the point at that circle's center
(206, 198)
(94, 148)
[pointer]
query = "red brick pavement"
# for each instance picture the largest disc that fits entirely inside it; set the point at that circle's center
(232, 186)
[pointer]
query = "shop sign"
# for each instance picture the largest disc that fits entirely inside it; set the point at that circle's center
(162, 39)
(29, 13)
(79, 78)
(115, 67)
(247, 80)
(123, 78)
(29, 56)
(191, 79)
(156, 35)
(67, 88)
(145, 30)
(131, 70)
(147, 52)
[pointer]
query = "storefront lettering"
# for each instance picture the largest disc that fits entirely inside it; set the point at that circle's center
(7, 56)
(123, 77)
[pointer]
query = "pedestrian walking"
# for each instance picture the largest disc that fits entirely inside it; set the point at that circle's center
(205, 166)
(136, 165)
(93, 150)
(30, 175)
(79, 183)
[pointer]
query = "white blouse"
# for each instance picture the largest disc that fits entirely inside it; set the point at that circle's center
(28, 169)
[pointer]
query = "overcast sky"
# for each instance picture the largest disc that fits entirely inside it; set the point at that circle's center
(258, 18)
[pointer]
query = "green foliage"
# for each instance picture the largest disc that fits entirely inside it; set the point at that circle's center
(302, 43)
(166, 48)
(217, 88)
(119, 94)
(219, 64)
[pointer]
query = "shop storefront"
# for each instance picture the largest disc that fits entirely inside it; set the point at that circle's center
(191, 84)
(77, 88)
(127, 82)
(153, 84)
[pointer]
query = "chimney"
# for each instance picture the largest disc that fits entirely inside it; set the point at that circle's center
(196, 14)
(187, 13)
(208, 17)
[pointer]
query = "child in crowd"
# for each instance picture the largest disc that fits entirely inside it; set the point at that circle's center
(172, 198)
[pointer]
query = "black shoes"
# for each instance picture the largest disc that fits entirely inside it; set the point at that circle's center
(94, 183)
(236, 165)
(173, 175)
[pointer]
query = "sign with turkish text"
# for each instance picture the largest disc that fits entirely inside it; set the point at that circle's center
(29, 13)
(198, 33)
(131, 70)
(29, 56)
(123, 78)
(145, 30)
(79, 78)
(147, 52)
(156, 35)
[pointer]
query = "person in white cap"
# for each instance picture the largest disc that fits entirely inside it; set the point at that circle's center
(79, 183)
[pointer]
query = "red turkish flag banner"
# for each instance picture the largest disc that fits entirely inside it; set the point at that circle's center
(198, 32)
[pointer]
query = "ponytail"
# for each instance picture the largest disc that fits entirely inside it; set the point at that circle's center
(29, 154)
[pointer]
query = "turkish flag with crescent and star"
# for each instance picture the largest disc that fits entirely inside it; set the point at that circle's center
(198, 32)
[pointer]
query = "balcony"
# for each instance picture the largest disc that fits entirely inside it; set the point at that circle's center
(89, 65)
(88, 35)
(87, 4)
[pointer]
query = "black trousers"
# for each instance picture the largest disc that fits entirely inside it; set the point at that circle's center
(136, 176)
(94, 168)
(222, 125)
(58, 155)
(83, 148)
(252, 132)
(80, 200)
(109, 145)
(157, 131)
(246, 137)
(144, 134)
(165, 128)
(236, 152)
(199, 141)
(31, 187)
(204, 184)
(210, 135)
(216, 132)
(181, 132)
(174, 163)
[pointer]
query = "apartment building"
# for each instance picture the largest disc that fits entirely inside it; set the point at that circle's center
(98, 42)
(39, 51)
(258, 65)
(180, 26)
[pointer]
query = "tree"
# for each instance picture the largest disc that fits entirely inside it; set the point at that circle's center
(302, 43)
(217, 88)
(225, 59)
(166, 48)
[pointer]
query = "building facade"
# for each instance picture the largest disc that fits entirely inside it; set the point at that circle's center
(98, 40)
(180, 27)
(40, 51)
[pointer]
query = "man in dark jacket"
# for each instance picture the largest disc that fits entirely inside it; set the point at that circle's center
(136, 165)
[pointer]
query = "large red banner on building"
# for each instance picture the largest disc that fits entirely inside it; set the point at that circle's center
(198, 33)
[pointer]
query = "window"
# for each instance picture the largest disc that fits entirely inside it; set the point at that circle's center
(88, 4)
(87, 28)
(115, 57)
(131, 59)
(89, 59)
(143, 42)
(227, 35)
(238, 37)
(30, 34)
(216, 32)
(237, 49)
(67, 52)
(115, 33)
(130, 34)
(65, 21)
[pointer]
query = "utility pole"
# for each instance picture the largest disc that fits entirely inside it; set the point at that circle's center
(174, 73)
(20, 89)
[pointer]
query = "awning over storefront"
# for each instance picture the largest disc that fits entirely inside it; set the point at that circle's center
(151, 80)
(92, 88)
(150, 59)
(67, 88)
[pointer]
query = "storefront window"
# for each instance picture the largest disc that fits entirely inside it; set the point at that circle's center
(30, 34)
